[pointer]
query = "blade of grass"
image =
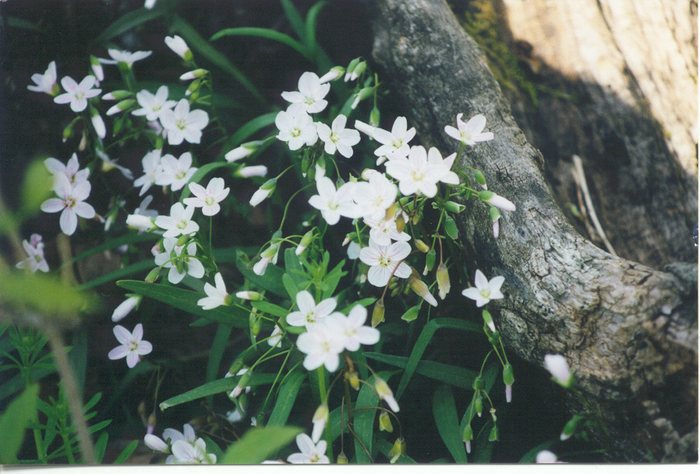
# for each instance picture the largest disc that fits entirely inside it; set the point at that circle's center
(445, 415)
(264, 33)
(127, 22)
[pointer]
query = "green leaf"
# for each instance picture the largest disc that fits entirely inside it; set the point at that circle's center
(127, 22)
(259, 444)
(101, 447)
(21, 23)
(186, 301)
(310, 26)
(137, 267)
(131, 238)
(411, 313)
(20, 412)
(212, 388)
(451, 228)
(36, 188)
(294, 17)
(364, 414)
(16, 383)
(290, 286)
(286, 398)
(127, 452)
(270, 281)
(218, 346)
(331, 280)
(424, 339)
(483, 448)
(445, 414)
(266, 34)
(293, 266)
(202, 46)
(201, 173)
(365, 302)
(270, 308)
(449, 374)
(248, 129)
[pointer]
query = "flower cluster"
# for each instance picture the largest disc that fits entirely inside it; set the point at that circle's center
(182, 447)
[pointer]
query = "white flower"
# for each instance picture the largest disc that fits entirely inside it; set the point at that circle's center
(46, 82)
(208, 199)
(334, 203)
(375, 196)
(546, 457)
(322, 345)
(69, 203)
(132, 345)
(442, 167)
(97, 70)
(310, 95)
(469, 133)
(394, 143)
(35, 255)
(309, 312)
(149, 4)
(70, 170)
(383, 231)
(179, 222)
(181, 124)
(77, 94)
(352, 329)
(143, 218)
(175, 172)
(263, 192)
(386, 394)
(415, 174)
(179, 47)
(171, 435)
(310, 453)
(179, 263)
(155, 443)
(126, 307)
(216, 295)
(296, 127)
(557, 366)
(153, 105)
(125, 57)
(485, 290)
(151, 164)
(386, 260)
(191, 453)
(319, 420)
(337, 137)
(275, 339)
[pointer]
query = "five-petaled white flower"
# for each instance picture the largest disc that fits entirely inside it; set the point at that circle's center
(471, 132)
(208, 199)
(337, 137)
(296, 127)
(310, 95)
(151, 164)
(309, 312)
(485, 290)
(183, 124)
(46, 82)
(175, 172)
(334, 203)
(441, 168)
(394, 143)
(383, 231)
(180, 263)
(125, 57)
(216, 295)
(374, 196)
(76, 94)
(179, 222)
(386, 260)
(310, 453)
(415, 174)
(322, 343)
(153, 105)
(71, 170)
(35, 255)
(69, 203)
(352, 329)
(133, 346)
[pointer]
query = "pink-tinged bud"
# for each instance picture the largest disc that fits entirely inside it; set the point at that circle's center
(497, 201)
(126, 307)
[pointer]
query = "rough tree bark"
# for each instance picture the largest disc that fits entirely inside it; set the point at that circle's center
(628, 331)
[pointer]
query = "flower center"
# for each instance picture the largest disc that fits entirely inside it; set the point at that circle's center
(485, 293)
(69, 202)
(310, 317)
(309, 100)
(181, 124)
(384, 261)
(79, 95)
(334, 138)
(295, 132)
(313, 458)
(417, 175)
(209, 201)
(180, 174)
(133, 346)
(398, 143)
(182, 224)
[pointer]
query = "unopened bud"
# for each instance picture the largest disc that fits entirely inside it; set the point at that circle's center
(454, 207)
(364, 93)
(386, 394)
(152, 275)
(235, 367)
(263, 192)
(351, 67)
(244, 150)
(496, 200)
(378, 313)
(121, 106)
(422, 246)
(353, 379)
(193, 89)
(443, 280)
(429, 261)
(480, 178)
(467, 437)
(335, 73)
(493, 434)
(397, 449)
(342, 458)
(117, 95)
(251, 171)
(488, 320)
(374, 117)
(420, 288)
(97, 70)
(508, 381)
(194, 74)
(242, 384)
(570, 428)
(385, 422)
(304, 242)
(249, 295)
(478, 405)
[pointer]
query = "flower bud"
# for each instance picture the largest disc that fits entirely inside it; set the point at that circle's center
(363, 94)
(319, 420)
(152, 275)
(263, 192)
(242, 384)
(364, 128)
(385, 422)
(126, 307)
(508, 381)
(467, 437)
(121, 106)
(397, 449)
(342, 458)
(454, 207)
(249, 295)
(353, 379)
(480, 178)
(478, 405)
(351, 67)
(451, 228)
(140, 222)
(255, 323)
(117, 95)
(335, 73)
(155, 443)
(193, 90)
(421, 289)
(304, 242)
(244, 150)
(422, 246)
(235, 367)
(411, 313)
(559, 368)
(194, 74)
(374, 116)
(97, 70)
(493, 434)
(496, 200)
(179, 47)
(378, 313)
(357, 71)
(546, 457)
(488, 320)
(570, 428)
(429, 261)
(97, 123)
(386, 394)
(443, 280)
(251, 171)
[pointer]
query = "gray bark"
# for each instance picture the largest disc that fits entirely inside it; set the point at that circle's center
(628, 331)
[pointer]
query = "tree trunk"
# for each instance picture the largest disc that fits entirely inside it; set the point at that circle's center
(628, 331)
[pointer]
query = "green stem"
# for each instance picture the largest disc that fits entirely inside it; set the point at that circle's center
(323, 393)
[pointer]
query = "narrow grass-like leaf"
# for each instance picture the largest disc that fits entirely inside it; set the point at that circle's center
(483, 448)
(270, 308)
(16, 383)
(286, 398)
(322, 59)
(445, 415)
(131, 238)
(271, 280)
(127, 452)
(264, 33)
(101, 447)
(212, 388)
(259, 444)
(21, 23)
(216, 352)
(127, 22)
(449, 374)
(201, 173)
(186, 301)
(19, 413)
(137, 267)
(202, 46)
(248, 129)
(424, 339)
(364, 414)
(363, 302)
(294, 17)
